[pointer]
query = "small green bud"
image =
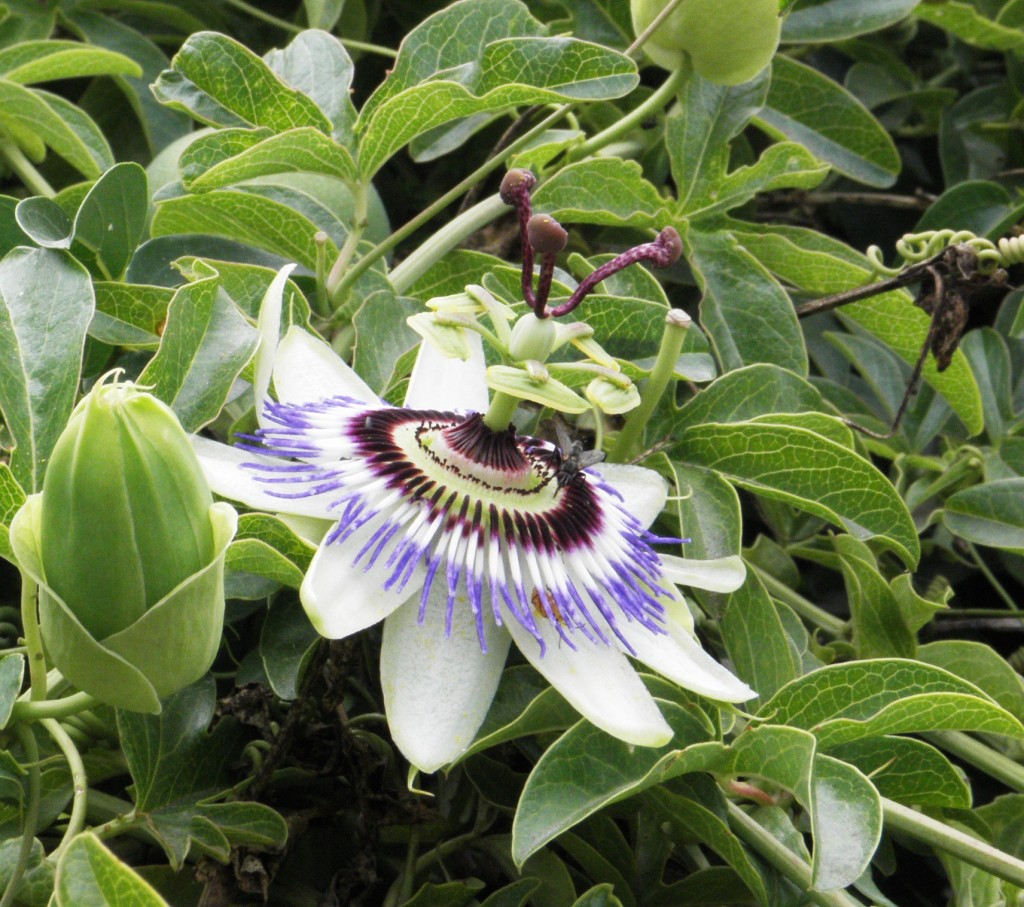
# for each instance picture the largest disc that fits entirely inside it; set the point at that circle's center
(727, 43)
(613, 397)
(533, 338)
(128, 549)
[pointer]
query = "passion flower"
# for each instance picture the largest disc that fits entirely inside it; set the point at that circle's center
(128, 550)
(727, 43)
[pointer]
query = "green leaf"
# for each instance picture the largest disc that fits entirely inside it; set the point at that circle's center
(697, 809)
(983, 207)
(45, 61)
(989, 358)
(203, 349)
(908, 771)
(742, 333)
(585, 770)
(808, 107)
(45, 222)
(875, 697)
(233, 155)
(317, 64)
(38, 120)
(12, 496)
(267, 547)
(708, 509)
(36, 886)
(12, 673)
(223, 83)
(811, 472)
(603, 191)
(699, 133)
(89, 875)
(837, 20)
(287, 641)
(171, 756)
(128, 314)
(160, 124)
(989, 514)
(965, 22)
(785, 165)
(511, 72)
(747, 393)
(756, 640)
(110, 221)
(979, 664)
(46, 303)
(382, 335)
(249, 218)
(879, 628)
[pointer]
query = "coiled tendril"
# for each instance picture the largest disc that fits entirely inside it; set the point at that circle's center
(915, 248)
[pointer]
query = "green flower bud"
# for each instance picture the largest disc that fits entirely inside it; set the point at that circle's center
(533, 338)
(128, 548)
(727, 43)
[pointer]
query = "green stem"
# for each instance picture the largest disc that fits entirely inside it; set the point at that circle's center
(991, 577)
(443, 241)
(26, 170)
(28, 743)
(962, 846)
(658, 100)
(979, 755)
(499, 414)
(783, 859)
(490, 165)
(79, 782)
(321, 301)
(348, 250)
(53, 708)
(677, 323)
(809, 611)
(33, 640)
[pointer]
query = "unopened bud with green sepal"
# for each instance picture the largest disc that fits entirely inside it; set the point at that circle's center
(127, 548)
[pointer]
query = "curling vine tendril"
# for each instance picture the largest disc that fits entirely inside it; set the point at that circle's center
(915, 248)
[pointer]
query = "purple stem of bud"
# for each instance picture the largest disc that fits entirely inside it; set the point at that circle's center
(515, 191)
(664, 251)
(548, 238)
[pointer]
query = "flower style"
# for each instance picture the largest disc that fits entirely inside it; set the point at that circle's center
(463, 539)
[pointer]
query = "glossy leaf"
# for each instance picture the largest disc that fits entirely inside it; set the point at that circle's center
(989, 514)
(837, 20)
(203, 349)
(806, 106)
(965, 22)
(12, 496)
(46, 304)
(110, 221)
(45, 61)
(89, 875)
(802, 468)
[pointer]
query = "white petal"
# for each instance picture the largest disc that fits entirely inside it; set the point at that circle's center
(679, 657)
(269, 325)
(438, 382)
(341, 597)
(643, 490)
(228, 477)
(437, 689)
(598, 681)
(723, 574)
(306, 369)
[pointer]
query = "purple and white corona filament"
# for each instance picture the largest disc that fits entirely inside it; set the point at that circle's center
(442, 495)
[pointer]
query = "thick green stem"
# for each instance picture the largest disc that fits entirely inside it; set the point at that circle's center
(981, 756)
(499, 414)
(466, 224)
(53, 708)
(360, 200)
(783, 859)
(429, 213)
(79, 783)
(956, 843)
(33, 640)
(654, 104)
(809, 611)
(31, 748)
(26, 170)
(677, 323)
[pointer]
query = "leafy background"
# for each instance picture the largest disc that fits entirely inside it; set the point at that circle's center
(880, 621)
